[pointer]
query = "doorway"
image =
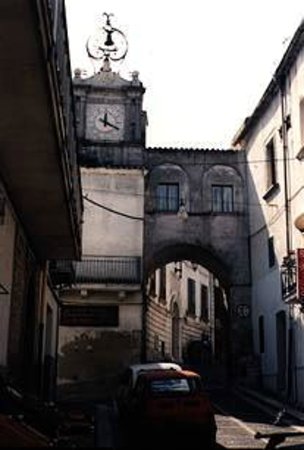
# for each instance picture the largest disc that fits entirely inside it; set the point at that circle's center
(175, 332)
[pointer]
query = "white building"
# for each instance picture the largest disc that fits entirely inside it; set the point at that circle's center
(273, 137)
(184, 314)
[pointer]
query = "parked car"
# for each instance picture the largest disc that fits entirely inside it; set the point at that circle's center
(172, 402)
(129, 378)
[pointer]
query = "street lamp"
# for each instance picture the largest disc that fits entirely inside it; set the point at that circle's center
(299, 223)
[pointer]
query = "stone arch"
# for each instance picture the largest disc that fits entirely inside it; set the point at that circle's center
(237, 328)
(224, 175)
(171, 251)
(166, 173)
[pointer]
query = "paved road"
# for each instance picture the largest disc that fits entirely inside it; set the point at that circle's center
(239, 420)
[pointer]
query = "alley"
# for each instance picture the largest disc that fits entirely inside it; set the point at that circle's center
(239, 416)
(238, 422)
(117, 252)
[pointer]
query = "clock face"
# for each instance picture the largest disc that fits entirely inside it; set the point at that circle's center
(105, 122)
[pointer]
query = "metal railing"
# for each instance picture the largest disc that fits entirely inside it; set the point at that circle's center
(110, 269)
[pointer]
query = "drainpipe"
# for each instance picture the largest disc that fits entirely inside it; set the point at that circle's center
(285, 169)
(143, 356)
(40, 344)
(290, 344)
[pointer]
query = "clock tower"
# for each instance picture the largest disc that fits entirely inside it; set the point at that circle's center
(103, 311)
(110, 118)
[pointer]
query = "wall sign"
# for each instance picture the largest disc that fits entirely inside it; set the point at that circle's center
(87, 315)
(243, 310)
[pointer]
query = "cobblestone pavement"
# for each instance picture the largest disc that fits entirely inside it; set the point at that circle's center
(78, 428)
(238, 422)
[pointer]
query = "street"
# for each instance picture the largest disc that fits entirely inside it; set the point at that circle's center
(238, 421)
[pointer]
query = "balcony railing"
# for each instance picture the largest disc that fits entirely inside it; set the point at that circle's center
(109, 269)
(289, 277)
(62, 272)
(292, 277)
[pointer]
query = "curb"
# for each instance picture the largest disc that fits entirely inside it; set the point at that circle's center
(271, 402)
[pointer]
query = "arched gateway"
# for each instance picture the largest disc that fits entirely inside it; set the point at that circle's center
(210, 187)
(106, 303)
(145, 207)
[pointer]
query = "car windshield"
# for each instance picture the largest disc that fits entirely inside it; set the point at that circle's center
(167, 385)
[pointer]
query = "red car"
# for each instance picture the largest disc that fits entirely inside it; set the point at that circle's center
(173, 402)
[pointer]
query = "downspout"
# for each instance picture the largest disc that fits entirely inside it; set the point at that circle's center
(285, 169)
(144, 277)
(42, 302)
(143, 356)
(54, 392)
(290, 344)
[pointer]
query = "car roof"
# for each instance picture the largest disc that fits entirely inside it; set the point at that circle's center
(137, 369)
(155, 365)
(169, 374)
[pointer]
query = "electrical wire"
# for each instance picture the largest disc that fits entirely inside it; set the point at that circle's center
(155, 197)
(114, 211)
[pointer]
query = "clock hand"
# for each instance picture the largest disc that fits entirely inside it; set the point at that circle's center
(106, 123)
(111, 125)
(103, 121)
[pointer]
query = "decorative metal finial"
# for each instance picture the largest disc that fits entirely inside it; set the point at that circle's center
(108, 43)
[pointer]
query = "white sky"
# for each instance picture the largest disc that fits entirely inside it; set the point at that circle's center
(205, 65)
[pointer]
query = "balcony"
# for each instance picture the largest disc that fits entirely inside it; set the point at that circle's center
(110, 270)
(38, 158)
(62, 272)
(106, 270)
(292, 277)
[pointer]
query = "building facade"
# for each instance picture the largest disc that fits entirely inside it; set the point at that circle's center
(101, 322)
(273, 139)
(179, 310)
(40, 197)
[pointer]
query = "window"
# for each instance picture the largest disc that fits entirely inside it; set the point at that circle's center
(152, 285)
(191, 297)
(271, 253)
(156, 342)
(261, 334)
(162, 284)
(302, 121)
(167, 197)
(204, 302)
(170, 385)
(222, 198)
(2, 208)
(162, 348)
(300, 153)
(271, 179)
